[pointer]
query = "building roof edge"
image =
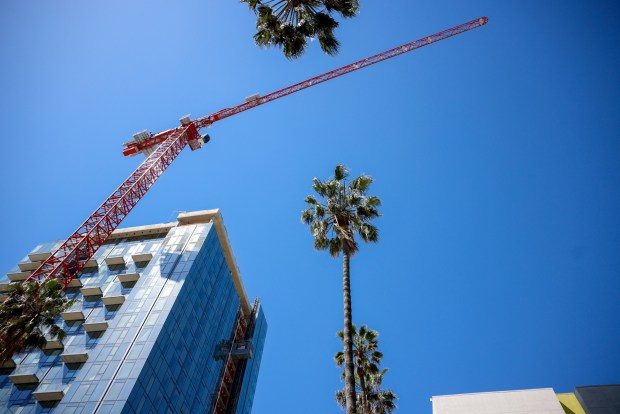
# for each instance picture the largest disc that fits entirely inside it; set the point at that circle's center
(214, 216)
(493, 392)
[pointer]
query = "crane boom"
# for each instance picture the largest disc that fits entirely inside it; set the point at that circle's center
(73, 255)
(133, 148)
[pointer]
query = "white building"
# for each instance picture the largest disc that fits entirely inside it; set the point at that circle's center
(536, 401)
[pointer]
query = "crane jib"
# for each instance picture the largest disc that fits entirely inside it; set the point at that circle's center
(205, 121)
(74, 254)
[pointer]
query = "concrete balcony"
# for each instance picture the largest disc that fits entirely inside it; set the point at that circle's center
(52, 344)
(91, 291)
(75, 283)
(141, 257)
(39, 257)
(128, 277)
(72, 315)
(114, 260)
(76, 358)
(90, 264)
(20, 379)
(95, 326)
(113, 300)
(28, 266)
(51, 395)
(18, 276)
(10, 364)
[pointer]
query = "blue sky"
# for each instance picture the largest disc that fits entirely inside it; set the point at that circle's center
(496, 154)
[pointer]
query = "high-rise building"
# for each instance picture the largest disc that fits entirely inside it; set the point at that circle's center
(163, 325)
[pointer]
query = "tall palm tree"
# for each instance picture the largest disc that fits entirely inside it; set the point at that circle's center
(366, 358)
(29, 315)
(288, 24)
(345, 211)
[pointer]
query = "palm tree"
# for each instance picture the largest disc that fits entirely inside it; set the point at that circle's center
(30, 310)
(381, 401)
(333, 223)
(366, 358)
(288, 24)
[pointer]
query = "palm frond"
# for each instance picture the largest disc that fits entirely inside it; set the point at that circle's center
(252, 4)
(372, 201)
(321, 243)
(340, 172)
(368, 233)
(346, 8)
(319, 187)
(311, 200)
(307, 216)
(339, 358)
(335, 246)
(294, 42)
(319, 212)
(361, 183)
(32, 306)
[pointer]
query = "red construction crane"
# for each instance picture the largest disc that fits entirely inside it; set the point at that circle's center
(162, 148)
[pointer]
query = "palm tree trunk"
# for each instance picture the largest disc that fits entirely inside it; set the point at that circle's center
(363, 390)
(349, 376)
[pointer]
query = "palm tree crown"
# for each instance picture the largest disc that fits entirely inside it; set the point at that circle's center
(379, 401)
(29, 315)
(289, 24)
(370, 398)
(365, 349)
(346, 211)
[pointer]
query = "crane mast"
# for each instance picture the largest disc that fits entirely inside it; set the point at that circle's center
(162, 148)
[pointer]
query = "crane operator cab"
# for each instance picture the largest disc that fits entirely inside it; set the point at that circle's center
(199, 142)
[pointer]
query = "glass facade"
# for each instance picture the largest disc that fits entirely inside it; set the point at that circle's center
(143, 336)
